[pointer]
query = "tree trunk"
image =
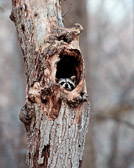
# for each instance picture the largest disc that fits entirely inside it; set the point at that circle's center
(56, 119)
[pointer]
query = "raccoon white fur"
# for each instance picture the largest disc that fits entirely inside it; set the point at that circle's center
(68, 83)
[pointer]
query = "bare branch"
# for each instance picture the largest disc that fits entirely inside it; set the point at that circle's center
(69, 8)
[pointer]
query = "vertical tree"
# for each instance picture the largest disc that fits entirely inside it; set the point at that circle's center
(55, 118)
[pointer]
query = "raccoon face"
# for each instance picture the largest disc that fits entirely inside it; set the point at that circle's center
(68, 83)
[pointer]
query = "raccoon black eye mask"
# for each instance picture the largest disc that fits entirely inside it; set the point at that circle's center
(68, 83)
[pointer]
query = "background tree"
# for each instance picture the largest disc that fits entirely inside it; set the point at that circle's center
(111, 48)
(11, 92)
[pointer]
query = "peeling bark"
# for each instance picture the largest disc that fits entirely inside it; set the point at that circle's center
(56, 119)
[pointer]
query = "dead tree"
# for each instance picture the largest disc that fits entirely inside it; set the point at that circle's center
(55, 119)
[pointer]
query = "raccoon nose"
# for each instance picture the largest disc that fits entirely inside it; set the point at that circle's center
(66, 85)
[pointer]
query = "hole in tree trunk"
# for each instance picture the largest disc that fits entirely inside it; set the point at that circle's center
(69, 70)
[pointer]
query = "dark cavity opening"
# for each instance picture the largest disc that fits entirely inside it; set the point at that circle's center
(69, 66)
(23, 28)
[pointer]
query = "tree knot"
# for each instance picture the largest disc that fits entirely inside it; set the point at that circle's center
(12, 17)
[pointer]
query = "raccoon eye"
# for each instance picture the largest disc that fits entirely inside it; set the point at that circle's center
(72, 86)
(62, 83)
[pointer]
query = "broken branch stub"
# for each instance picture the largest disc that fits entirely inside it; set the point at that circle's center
(56, 111)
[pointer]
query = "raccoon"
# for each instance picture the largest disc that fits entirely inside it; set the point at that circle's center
(68, 83)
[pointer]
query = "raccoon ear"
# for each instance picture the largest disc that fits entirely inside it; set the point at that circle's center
(56, 80)
(73, 78)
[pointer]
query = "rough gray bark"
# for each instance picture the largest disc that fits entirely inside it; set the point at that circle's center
(56, 120)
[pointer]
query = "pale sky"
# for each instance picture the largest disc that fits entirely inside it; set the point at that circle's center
(116, 9)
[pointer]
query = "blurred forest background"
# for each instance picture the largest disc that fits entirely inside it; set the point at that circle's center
(107, 44)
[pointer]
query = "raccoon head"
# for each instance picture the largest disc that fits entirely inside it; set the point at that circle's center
(68, 83)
